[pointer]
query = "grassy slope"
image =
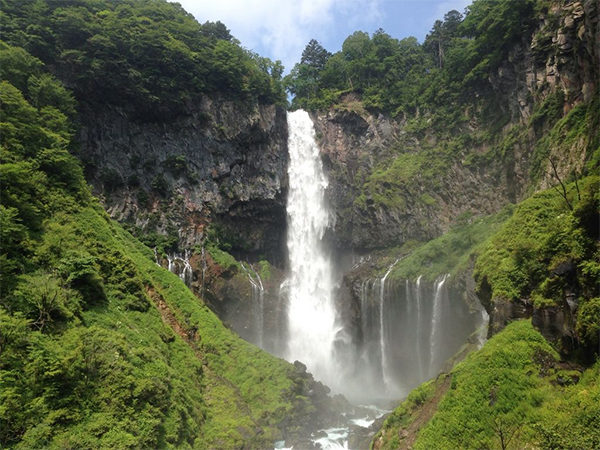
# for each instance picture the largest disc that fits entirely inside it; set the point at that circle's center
(213, 390)
(242, 383)
(99, 346)
(449, 253)
(514, 390)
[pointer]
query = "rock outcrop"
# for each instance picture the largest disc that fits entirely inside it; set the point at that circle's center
(223, 163)
(355, 144)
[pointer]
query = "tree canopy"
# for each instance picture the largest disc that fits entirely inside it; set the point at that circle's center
(402, 76)
(149, 55)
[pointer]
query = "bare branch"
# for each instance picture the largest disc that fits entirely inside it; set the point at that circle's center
(564, 189)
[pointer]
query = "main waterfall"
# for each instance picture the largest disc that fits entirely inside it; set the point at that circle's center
(311, 312)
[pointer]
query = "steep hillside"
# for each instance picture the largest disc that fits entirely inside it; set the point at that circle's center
(513, 393)
(99, 345)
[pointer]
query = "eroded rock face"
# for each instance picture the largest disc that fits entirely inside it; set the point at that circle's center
(223, 162)
(355, 144)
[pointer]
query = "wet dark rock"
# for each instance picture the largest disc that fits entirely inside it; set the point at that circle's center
(557, 325)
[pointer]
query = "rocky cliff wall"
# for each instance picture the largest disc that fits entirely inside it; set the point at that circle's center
(223, 163)
(356, 145)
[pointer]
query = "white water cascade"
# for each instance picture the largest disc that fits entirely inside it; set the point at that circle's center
(180, 265)
(382, 334)
(418, 335)
(258, 302)
(311, 312)
(436, 317)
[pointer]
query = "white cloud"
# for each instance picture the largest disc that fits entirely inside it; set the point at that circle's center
(448, 5)
(281, 28)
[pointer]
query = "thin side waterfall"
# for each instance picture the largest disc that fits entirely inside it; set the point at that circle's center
(436, 316)
(180, 266)
(187, 272)
(382, 334)
(418, 331)
(483, 328)
(364, 305)
(258, 301)
(311, 312)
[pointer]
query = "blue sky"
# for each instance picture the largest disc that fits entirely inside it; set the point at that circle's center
(280, 29)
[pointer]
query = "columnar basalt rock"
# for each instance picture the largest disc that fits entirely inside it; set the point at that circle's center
(223, 162)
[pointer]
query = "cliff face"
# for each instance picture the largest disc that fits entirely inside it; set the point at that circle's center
(545, 76)
(223, 163)
(356, 144)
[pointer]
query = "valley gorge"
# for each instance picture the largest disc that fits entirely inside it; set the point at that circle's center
(361, 253)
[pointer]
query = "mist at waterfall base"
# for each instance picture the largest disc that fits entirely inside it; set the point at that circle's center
(372, 342)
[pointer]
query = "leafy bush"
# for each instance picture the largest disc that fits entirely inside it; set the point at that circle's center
(522, 260)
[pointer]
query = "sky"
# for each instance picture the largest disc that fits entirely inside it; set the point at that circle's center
(280, 29)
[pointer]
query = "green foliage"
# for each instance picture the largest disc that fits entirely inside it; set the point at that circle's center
(44, 301)
(380, 68)
(495, 394)
(37, 173)
(588, 324)
(404, 414)
(228, 263)
(492, 28)
(578, 130)
(385, 185)
(549, 111)
(521, 259)
(512, 393)
(451, 252)
(146, 54)
(159, 184)
(439, 77)
(264, 270)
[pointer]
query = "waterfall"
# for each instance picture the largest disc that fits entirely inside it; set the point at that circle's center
(436, 316)
(180, 266)
(483, 328)
(258, 301)
(382, 335)
(187, 273)
(418, 329)
(311, 312)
